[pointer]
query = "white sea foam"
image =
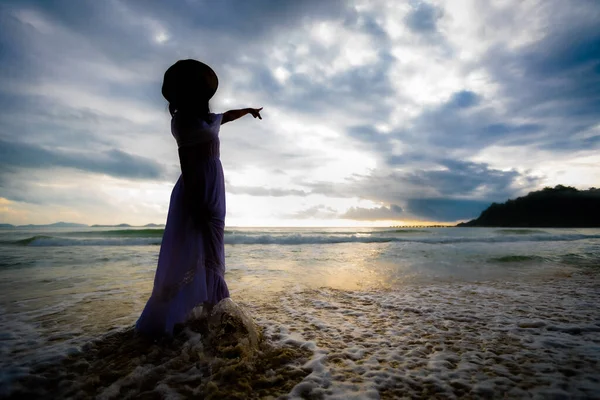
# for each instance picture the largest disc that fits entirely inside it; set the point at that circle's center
(450, 340)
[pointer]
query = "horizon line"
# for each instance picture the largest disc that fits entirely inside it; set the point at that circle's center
(449, 224)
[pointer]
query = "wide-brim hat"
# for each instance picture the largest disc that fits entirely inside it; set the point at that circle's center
(189, 79)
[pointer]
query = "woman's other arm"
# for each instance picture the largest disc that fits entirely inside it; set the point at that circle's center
(232, 115)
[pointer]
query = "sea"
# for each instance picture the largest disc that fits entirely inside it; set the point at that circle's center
(345, 312)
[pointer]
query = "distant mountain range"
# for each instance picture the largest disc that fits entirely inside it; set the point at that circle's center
(75, 225)
(54, 225)
(127, 226)
(558, 207)
(112, 226)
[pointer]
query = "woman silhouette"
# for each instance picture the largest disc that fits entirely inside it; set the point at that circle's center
(191, 262)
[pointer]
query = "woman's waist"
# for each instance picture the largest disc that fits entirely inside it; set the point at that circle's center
(199, 152)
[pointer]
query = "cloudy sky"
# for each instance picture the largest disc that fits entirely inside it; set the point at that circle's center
(375, 112)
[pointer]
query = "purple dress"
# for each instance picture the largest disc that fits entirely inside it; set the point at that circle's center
(191, 262)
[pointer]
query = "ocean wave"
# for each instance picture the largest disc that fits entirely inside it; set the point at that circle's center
(520, 231)
(30, 240)
(62, 241)
(125, 232)
(408, 231)
(299, 239)
(516, 258)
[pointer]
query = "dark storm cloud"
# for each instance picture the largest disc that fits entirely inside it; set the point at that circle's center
(460, 124)
(55, 125)
(465, 178)
(77, 36)
(361, 87)
(239, 18)
(123, 31)
(369, 136)
(423, 18)
(431, 168)
(445, 209)
(419, 191)
(556, 79)
(35, 190)
(111, 162)
(116, 27)
(372, 214)
(463, 99)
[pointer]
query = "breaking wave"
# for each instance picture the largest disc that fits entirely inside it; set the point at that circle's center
(146, 238)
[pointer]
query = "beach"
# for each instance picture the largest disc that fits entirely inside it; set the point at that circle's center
(346, 313)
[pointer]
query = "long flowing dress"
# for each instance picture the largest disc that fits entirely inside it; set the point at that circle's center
(191, 262)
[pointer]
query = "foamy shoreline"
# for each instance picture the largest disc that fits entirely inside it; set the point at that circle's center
(459, 340)
(536, 338)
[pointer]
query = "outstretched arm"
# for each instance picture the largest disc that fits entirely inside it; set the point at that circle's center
(232, 115)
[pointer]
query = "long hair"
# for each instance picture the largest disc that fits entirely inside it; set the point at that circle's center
(201, 110)
(188, 86)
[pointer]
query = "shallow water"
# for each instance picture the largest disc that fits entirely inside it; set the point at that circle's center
(447, 312)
